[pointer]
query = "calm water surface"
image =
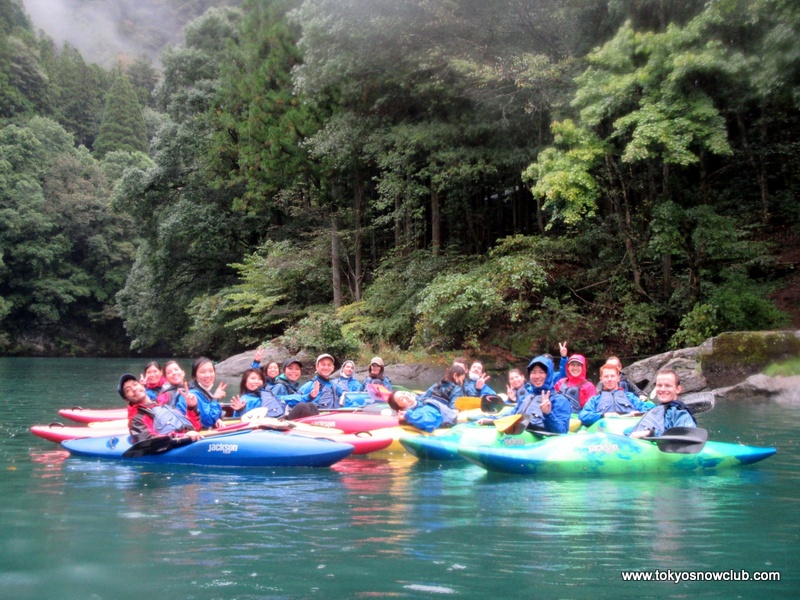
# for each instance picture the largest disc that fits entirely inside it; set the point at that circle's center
(375, 527)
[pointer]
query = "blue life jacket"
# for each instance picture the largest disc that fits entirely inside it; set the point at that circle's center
(328, 396)
(616, 401)
(573, 392)
(530, 406)
(275, 407)
(167, 419)
(666, 416)
(384, 381)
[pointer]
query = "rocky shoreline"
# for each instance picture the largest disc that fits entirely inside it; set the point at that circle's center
(723, 368)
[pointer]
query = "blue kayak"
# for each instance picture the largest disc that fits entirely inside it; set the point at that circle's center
(606, 454)
(254, 448)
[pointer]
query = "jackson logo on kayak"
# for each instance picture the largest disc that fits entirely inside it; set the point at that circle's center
(328, 424)
(224, 448)
(513, 441)
(608, 448)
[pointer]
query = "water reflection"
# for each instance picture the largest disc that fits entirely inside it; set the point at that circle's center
(382, 526)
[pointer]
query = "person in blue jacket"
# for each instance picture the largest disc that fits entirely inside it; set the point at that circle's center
(320, 389)
(669, 413)
(425, 414)
(249, 397)
(346, 380)
(270, 372)
(376, 374)
(208, 408)
(450, 387)
(287, 391)
(611, 400)
(542, 409)
(475, 383)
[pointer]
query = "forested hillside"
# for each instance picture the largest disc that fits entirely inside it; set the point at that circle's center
(359, 176)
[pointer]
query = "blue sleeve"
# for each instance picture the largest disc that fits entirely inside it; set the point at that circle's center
(589, 415)
(255, 364)
(638, 404)
(560, 412)
(678, 418)
(388, 383)
(305, 391)
(424, 417)
(487, 391)
(251, 402)
(210, 412)
(562, 369)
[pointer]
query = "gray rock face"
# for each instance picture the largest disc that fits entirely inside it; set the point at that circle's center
(729, 357)
(236, 365)
(231, 368)
(763, 387)
(684, 362)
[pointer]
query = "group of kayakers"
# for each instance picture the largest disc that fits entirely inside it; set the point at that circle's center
(547, 400)
(162, 402)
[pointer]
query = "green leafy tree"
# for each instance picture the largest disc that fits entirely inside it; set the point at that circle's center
(64, 255)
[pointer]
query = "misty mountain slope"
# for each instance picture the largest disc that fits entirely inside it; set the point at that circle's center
(107, 31)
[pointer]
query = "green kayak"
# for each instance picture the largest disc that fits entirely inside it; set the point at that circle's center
(610, 454)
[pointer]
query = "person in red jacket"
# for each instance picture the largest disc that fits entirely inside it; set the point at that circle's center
(575, 386)
(146, 418)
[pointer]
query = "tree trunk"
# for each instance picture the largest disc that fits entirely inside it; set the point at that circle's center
(335, 265)
(436, 223)
(358, 209)
(623, 213)
(398, 224)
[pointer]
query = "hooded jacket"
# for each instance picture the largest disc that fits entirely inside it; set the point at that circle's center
(577, 389)
(529, 404)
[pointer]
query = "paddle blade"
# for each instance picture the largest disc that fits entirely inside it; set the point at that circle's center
(511, 425)
(492, 404)
(467, 403)
(155, 445)
(378, 392)
(682, 440)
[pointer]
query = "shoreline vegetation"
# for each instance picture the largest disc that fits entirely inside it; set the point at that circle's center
(398, 177)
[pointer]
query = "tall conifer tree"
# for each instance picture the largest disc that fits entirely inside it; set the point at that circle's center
(123, 126)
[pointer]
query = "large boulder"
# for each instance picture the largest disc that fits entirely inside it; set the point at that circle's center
(231, 368)
(724, 362)
(236, 365)
(684, 362)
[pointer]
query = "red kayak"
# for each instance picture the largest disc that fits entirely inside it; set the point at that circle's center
(89, 415)
(364, 442)
(351, 422)
(56, 432)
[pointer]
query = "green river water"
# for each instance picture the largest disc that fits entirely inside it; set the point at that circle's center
(74, 528)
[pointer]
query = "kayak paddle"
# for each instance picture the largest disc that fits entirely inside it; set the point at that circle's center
(681, 440)
(163, 443)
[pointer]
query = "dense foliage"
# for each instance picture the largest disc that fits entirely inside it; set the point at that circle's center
(490, 175)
